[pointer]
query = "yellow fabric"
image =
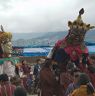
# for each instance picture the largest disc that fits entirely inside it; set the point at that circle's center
(82, 91)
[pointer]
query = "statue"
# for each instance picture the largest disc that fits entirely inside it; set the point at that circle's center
(5, 43)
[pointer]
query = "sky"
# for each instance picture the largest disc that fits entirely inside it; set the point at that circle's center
(43, 15)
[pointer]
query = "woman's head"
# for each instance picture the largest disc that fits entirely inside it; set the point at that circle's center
(83, 79)
(23, 61)
(4, 77)
(20, 92)
(47, 63)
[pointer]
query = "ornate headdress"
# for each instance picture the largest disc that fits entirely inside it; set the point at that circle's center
(4, 35)
(79, 24)
(78, 30)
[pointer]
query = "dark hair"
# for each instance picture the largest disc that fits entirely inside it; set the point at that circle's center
(4, 77)
(38, 60)
(19, 91)
(23, 61)
(47, 62)
(83, 79)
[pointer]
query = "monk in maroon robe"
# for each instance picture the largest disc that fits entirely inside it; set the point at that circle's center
(25, 68)
(47, 80)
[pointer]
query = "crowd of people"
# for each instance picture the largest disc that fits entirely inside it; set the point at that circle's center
(73, 82)
(46, 79)
(67, 71)
(24, 81)
(7, 88)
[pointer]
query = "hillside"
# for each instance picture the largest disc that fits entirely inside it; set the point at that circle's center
(43, 39)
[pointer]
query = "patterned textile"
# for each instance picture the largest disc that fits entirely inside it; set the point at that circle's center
(7, 90)
(73, 51)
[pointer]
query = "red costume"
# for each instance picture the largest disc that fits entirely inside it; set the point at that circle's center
(7, 89)
(73, 44)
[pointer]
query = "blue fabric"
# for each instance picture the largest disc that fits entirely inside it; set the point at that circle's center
(29, 82)
(60, 55)
(36, 69)
(71, 88)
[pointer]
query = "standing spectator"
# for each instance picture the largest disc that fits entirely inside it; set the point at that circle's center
(25, 67)
(47, 79)
(7, 89)
(36, 74)
(37, 69)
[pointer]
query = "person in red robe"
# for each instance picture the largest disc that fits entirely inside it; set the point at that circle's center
(25, 68)
(6, 89)
(47, 79)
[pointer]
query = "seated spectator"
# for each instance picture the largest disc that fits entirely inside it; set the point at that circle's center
(85, 89)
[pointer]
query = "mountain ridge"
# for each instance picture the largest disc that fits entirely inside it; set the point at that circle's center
(48, 38)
